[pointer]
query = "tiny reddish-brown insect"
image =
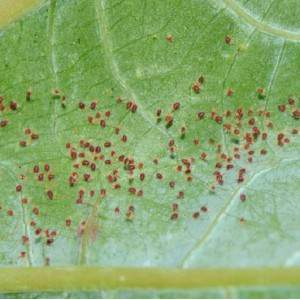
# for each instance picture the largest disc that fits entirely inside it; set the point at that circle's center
(50, 194)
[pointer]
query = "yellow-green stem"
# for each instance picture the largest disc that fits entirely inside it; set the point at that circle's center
(97, 278)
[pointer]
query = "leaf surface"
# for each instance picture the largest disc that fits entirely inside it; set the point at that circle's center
(77, 69)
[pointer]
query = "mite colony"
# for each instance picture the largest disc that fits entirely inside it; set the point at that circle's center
(244, 130)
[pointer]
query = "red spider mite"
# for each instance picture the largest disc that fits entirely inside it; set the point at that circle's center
(24, 201)
(102, 193)
(10, 212)
(236, 131)
(68, 222)
(85, 162)
(267, 114)
(296, 114)
(18, 188)
(119, 99)
(79, 201)
(174, 216)
(87, 177)
(201, 79)
(291, 101)
(36, 211)
(124, 138)
(251, 121)
(34, 136)
(180, 195)
(229, 166)
(32, 223)
(92, 148)
(175, 206)
(229, 92)
(204, 208)
(38, 231)
(159, 176)
(169, 120)
(201, 115)
(46, 168)
(13, 105)
(50, 195)
(116, 186)
(176, 106)
(81, 193)
(49, 241)
(103, 123)
(242, 197)
(196, 215)
(260, 91)
(27, 131)
(117, 210)
(93, 105)
(41, 177)
(196, 141)
(203, 156)
(22, 143)
(142, 176)
(22, 254)
(264, 136)
(3, 123)
(196, 87)
(25, 239)
(81, 105)
(93, 166)
(172, 184)
(132, 190)
(263, 151)
(281, 108)
(170, 38)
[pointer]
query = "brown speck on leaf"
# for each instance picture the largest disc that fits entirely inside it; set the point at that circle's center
(3, 123)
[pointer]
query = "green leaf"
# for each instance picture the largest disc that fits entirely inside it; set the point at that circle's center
(80, 74)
